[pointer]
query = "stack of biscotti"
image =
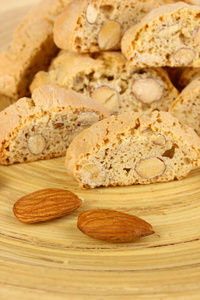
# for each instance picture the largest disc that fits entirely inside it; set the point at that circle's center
(166, 36)
(169, 36)
(31, 50)
(114, 53)
(43, 125)
(133, 147)
(92, 26)
(88, 32)
(33, 45)
(110, 80)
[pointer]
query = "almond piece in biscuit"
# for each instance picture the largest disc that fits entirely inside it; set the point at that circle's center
(133, 148)
(167, 36)
(110, 80)
(43, 126)
(31, 49)
(91, 26)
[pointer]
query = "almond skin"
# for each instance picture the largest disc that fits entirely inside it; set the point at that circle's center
(113, 226)
(46, 204)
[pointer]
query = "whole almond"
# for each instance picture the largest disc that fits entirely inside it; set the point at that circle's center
(46, 204)
(113, 226)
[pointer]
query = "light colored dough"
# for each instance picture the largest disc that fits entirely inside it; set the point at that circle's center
(113, 78)
(74, 32)
(186, 107)
(43, 126)
(31, 50)
(167, 36)
(133, 148)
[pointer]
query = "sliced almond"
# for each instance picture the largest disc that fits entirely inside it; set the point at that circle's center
(169, 30)
(150, 168)
(107, 96)
(44, 205)
(93, 174)
(147, 90)
(58, 125)
(113, 226)
(91, 14)
(184, 56)
(36, 144)
(110, 35)
(159, 140)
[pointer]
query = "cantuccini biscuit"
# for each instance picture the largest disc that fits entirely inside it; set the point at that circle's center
(43, 126)
(186, 107)
(167, 36)
(133, 148)
(94, 25)
(110, 80)
(31, 50)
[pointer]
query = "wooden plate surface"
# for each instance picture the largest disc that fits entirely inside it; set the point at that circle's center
(54, 260)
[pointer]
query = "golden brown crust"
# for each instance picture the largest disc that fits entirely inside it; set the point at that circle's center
(45, 100)
(64, 68)
(132, 39)
(108, 73)
(132, 128)
(31, 50)
(66, 22)
(186, 108)
(69, 29)
(52, 96)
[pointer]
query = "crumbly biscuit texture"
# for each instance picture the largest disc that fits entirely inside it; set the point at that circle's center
(167, 36)
(110, 80)
(186, 107)
(31, 50)
(96, 25)
(43, 126)
(133, 148)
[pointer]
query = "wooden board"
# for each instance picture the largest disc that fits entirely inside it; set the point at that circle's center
(54, 260)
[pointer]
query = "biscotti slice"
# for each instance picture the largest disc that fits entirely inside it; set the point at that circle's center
(5, 102)
(133, 148)
(186, 107)
(43, 126)
(94, 25)
(167, 36)
(110, 80)
(188, 75)
(31, 50)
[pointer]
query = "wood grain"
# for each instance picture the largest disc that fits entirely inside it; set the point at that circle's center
(54, 260)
